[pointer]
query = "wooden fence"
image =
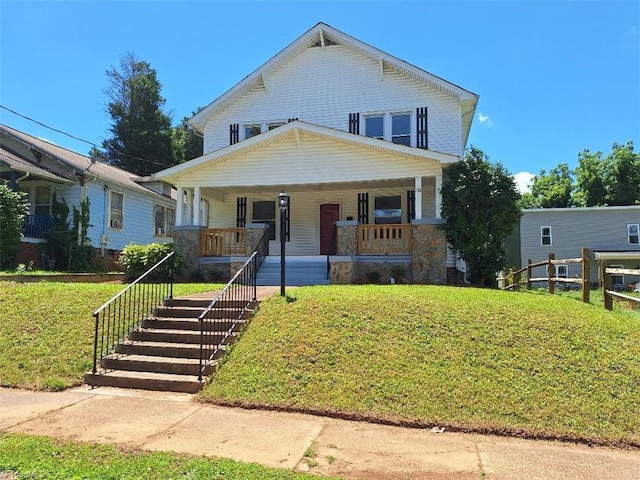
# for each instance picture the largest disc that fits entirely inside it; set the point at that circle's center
(513, 280)
(610, 293)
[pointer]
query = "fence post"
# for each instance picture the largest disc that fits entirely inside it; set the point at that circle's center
(551, 273)
(607, 284)
(586, 273)
(529, 272)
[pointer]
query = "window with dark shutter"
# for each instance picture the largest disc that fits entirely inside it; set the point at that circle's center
(234, 133)
(354, 123)
(411, 205)
(363, 208)
(241, 212)
(422, 133)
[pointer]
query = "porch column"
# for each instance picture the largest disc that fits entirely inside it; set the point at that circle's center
(439, 196)
(179, 206)
(197, 198)
(189, 206)
(418, 198)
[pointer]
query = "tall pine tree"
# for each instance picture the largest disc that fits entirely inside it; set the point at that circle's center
(141, 140)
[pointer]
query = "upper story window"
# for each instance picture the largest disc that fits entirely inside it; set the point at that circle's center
(401, 128)
(116, 210)
(545, 236)
(42, 205)
(374, 126)
(633, 231)
(252, 130)
(164, 218)
(392, 127)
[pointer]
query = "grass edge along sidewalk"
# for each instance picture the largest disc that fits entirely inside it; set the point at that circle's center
(29, 456)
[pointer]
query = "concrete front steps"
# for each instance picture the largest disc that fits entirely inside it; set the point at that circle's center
(299, 271)
(164, 352)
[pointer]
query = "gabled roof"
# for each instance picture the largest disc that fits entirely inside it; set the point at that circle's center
(321, 33)
(296, 129)
(70, 160)
(14, 162)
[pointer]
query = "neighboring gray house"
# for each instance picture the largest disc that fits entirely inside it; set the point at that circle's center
(611, 233)
(124, 208)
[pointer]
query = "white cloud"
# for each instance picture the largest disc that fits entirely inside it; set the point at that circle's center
(485, 119)
(523, 181)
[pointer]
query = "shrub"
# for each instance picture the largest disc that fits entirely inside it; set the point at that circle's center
(137, 259)
(13, 208)
(373, 276)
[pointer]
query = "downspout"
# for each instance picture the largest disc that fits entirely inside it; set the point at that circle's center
(105, 189)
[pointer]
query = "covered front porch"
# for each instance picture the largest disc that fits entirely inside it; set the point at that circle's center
(357, 228)
(352, 199)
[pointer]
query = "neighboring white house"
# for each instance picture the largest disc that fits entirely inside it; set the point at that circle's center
(124, 208)
(611, 233)
(357, 138)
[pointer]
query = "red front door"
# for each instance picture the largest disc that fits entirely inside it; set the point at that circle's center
(329, 214)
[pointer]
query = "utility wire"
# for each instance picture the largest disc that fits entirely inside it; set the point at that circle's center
(99, 147)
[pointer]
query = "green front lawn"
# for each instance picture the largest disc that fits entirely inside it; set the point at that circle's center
(486, 360)
(41, 457)
(46, 330)
(518, 363)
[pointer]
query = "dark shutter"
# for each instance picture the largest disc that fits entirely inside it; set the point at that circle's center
(293, 119)
(234, 133)
(422, 127)
(411, 205)
(287, 223)
(354, 123)
(241, 212)
(363, 208)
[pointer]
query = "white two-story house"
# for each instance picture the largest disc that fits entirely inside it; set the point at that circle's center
(357, 138)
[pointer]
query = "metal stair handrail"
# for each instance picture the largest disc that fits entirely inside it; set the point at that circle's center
(238, 295)
(121, 315)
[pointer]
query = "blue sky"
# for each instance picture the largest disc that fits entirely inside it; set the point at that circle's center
(553, 77)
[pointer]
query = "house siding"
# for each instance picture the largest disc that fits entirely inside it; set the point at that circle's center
(572, 229)
(315, 161)
(322, 86)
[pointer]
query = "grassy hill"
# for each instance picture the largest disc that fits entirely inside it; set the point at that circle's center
(470, 359)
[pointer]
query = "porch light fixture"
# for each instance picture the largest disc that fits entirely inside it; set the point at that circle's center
(283, 202)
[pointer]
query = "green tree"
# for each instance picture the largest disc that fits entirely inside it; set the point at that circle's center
(480, 203)
(141, 140)
(13, 208)
(187, 144)
(610, 180)
(623, 186)
(550, 190)
(591, 173)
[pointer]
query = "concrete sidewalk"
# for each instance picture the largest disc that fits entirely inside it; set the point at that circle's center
(176, 422)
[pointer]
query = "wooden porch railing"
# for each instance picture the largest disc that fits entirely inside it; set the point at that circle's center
(384, 239)
(216, 242)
